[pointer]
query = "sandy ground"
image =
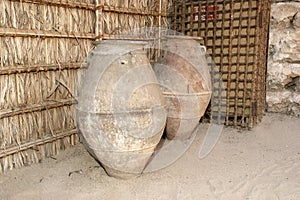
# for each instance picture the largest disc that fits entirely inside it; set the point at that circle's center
(261, 164)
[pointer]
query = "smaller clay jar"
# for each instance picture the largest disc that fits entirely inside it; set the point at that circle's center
(184, 76)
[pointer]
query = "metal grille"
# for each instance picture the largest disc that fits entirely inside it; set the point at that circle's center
(236, 36)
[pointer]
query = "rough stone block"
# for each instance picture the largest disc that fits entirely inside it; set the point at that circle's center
(283, 78)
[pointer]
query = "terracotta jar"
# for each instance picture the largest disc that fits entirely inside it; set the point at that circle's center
(184, 75)
(121, 112)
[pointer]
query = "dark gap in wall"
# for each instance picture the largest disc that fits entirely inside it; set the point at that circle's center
(293, 84)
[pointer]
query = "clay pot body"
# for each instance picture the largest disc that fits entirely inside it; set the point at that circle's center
(121, 112)
(184, 76)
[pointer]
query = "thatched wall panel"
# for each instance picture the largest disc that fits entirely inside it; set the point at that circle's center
(128, 16)
(22, 128)
(44, 17)
(43, 45)
(18, 90)
(42, 51)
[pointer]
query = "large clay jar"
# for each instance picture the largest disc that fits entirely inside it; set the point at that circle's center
(121, 112)
(184, 75)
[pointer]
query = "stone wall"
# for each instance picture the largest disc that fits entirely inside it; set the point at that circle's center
(283, 79)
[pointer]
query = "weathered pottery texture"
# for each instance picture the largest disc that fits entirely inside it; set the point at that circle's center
(184, 76)
(121, 111)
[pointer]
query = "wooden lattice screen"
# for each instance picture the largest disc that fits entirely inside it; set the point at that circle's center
(235, 33)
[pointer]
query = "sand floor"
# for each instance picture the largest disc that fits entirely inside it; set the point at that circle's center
(261, 164)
